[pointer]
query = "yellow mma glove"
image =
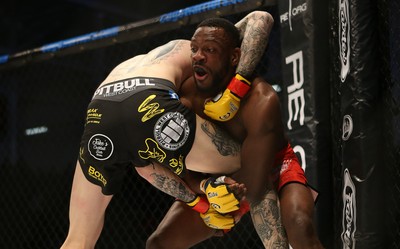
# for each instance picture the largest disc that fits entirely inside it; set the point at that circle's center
(218, 195)
(225, 106)
(216, 220)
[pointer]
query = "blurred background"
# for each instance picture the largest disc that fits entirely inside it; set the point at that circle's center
(26, 24)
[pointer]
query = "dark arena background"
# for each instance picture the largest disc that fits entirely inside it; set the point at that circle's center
(335, 64)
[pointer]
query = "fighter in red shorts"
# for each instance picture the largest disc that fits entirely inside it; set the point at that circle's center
(251, 113)
(288, 167)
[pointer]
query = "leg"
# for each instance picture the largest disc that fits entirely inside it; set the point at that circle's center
(297, 207)
(267, 222)
(181, 228)
(86, 214)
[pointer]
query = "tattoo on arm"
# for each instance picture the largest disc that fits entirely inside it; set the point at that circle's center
(172, 186)
(225, 145)
(163, 52)
(267, 222)
(255, 29)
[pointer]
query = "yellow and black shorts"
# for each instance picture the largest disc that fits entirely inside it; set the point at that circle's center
(134, 122)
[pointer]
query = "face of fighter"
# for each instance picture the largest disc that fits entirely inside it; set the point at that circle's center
(213, 59)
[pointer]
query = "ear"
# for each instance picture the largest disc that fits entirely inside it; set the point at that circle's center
(235, 56)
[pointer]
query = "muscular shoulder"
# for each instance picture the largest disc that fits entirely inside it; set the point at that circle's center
(261, 108)
(170, 61)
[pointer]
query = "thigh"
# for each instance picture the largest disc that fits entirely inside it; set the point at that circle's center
(182, 227)
(87, 208)
(294, 198)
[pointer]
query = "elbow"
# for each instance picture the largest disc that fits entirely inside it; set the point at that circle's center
(265, 17)
(258, 14)
(144, 172)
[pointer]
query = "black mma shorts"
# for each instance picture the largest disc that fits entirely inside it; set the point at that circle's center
(134, 122)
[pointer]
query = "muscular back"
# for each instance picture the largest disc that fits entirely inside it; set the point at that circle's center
(209, 153)
(170, 61)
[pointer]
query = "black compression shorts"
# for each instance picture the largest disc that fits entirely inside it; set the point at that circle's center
(135, 122)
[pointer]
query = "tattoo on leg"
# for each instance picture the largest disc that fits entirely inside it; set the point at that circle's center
(267, 222)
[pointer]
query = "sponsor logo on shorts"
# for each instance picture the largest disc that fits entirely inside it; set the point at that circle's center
(152, 151)
(347, 127)
(93, 116)
(171, 130)
(100, 147)
(97, 175)
(349, 212)
(173, 95)
(123, 86)
(151, 109)
(177, 164)
(285, 165)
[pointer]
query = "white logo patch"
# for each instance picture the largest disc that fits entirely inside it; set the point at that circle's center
(100, 147)
(171, 130)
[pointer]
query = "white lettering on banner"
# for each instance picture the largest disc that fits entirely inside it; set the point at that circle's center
(295, 91)
(349, 212)
(344, 38)
(298, 149)
(287, 16)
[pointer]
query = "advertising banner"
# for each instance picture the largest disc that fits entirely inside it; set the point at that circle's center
(359, 171)
(305, 98)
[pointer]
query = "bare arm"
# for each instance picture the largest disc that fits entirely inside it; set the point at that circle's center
(264, 138)
(254, 29)
(166, 181)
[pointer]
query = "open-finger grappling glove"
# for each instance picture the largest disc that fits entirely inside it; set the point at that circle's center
(225, 105)
(219, 196)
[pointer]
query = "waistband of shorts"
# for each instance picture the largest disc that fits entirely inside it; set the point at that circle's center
(160, 81)
(129, 86)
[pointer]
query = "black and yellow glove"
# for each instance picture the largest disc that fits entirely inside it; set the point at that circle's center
(218, 195)
(225, 106)
(217, 220)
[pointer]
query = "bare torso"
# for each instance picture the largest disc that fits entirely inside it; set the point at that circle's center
(172, 62)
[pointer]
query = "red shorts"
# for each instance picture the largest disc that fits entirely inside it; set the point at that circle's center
(287, 168)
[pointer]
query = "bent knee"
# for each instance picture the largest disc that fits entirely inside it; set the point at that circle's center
(298, 220)
(155, 242)
(158, 241)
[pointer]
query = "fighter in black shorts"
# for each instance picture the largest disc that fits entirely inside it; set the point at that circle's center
(134, 121)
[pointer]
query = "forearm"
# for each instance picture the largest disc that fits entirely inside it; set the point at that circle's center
(254, 30)
(257, 159)
(166, 181)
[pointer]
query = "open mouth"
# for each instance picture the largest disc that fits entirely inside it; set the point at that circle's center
(200, 73)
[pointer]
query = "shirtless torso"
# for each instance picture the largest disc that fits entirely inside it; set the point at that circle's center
(172, 62)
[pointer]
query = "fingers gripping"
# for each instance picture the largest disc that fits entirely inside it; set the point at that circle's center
(219, 195)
